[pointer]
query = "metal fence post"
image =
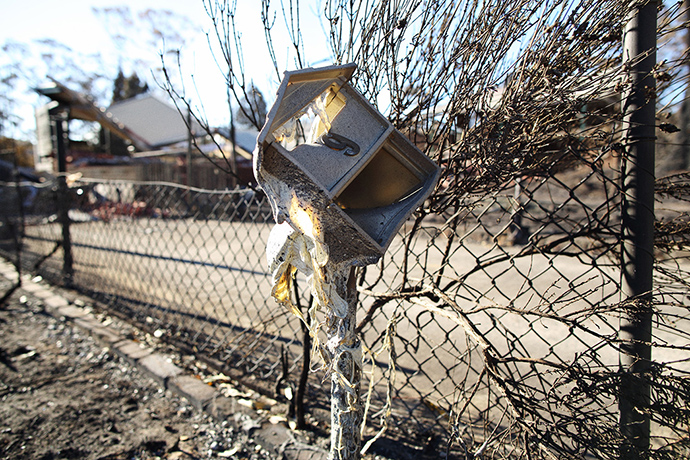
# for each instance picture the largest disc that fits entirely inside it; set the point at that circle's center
(63, 198)
(21, 222)
(637, 258)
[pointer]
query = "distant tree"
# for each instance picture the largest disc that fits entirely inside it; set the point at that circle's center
(119, 87)
(252, 110)
(128, 87)
(141, 37)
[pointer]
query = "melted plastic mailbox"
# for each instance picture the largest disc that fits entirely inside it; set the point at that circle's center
(325, 152)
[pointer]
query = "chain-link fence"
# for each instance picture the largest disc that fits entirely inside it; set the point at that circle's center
(491, 327)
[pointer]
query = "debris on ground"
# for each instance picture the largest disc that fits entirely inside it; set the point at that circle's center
(64, 396)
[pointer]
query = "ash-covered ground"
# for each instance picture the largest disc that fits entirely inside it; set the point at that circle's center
(64, 396)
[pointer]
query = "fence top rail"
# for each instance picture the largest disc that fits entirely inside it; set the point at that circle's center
(82, 180)
(238, 189)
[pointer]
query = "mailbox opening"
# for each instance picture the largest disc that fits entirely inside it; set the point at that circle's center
(389, 186)
(384, 181)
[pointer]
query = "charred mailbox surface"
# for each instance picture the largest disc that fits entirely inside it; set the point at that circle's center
(326, 153)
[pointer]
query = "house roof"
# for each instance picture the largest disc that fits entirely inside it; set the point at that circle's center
(82, 107)
(155, 121)
(244, 138)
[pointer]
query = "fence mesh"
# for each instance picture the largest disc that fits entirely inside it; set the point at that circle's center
(492, 326)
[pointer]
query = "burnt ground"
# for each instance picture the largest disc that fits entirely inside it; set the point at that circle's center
(64, 396)
(67, 395)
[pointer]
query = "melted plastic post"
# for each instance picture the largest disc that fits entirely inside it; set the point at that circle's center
(333, 288)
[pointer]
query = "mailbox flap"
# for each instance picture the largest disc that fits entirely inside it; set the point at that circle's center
(299, 88)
